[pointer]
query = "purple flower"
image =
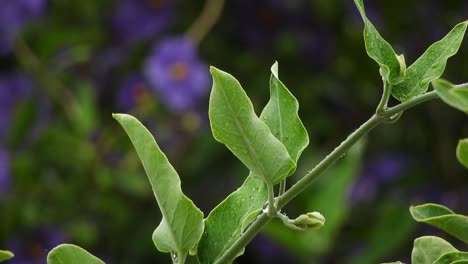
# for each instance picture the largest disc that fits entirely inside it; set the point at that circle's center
(379, 171)
(4, 172)
(132, 91)
(33, 247)
(140, 19)
(13, 88)
(176, 74)
(14, 14)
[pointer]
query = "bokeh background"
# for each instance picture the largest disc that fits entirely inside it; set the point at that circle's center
(68, 172)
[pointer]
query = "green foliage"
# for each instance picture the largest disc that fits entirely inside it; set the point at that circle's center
(227, 221)
(430, 65)
(234, 123)
(451, 258)
(443, 218)
(223, 226)
(5, 255)
(392, 67)
(182, 224)
(462, 152)
(413, 81)
(66, 253)
(454, 96)
(281, 116)
(428, 249)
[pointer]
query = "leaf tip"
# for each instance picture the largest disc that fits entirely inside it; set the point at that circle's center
(274, 69)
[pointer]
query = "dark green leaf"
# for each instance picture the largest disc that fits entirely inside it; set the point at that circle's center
(70, 254)
(5, 255)
(443, 218)
(234, 123)
(462, 152)
(456, 97)
(428, 249)
(430, 65)
(182, 224)
(392, 67)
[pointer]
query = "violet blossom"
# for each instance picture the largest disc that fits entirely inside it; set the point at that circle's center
(14, 14)
(175, 72)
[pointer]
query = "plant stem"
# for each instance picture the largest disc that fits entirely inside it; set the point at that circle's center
(271, 201)
(318, 170)
(329, 160)
(410, 103)
(207, 19)
(387, 90)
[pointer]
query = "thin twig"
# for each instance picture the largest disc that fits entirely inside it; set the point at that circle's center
(207, 19)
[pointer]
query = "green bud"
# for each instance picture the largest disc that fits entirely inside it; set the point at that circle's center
(313, 220)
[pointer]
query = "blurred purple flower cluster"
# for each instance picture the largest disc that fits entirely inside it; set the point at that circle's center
(14, 14)
(176, 74)
(135, 20)
(14, 87)
(4, 172)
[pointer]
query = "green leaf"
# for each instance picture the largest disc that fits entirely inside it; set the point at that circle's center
(225, 223)
(398, 262)
(281, 116)
(456, 97)
(428, 249)
(5, 255)
(182, 224)
(430, 65)
(454, 257)
(235, 124)
(443, 218)
(392, 67)
(223, 226)
(462, 152)
(69, 254)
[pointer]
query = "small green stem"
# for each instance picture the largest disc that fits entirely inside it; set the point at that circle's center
(271, 201)
(282, 190)
(318, 170)
(387, 90)
(392, 111)
(207, 19)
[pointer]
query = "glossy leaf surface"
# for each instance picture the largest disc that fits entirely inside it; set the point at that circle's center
(182, 224)
(456, 97)
(428, 249)
(443, 218)
(430, 65)
(71, 254)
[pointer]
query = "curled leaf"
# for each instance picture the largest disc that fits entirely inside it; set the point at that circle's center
(443, 218)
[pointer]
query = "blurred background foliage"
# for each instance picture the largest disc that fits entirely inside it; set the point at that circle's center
(68, 173)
